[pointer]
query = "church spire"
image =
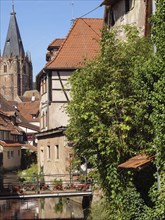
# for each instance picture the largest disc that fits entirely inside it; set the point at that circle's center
(13, 45)
(13, 6)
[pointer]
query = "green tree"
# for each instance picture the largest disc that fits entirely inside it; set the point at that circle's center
(157, 99)
(110, 115)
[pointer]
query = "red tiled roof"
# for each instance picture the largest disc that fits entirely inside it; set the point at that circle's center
(11, 108)
(27, 109)
(10, 144)
(137, 162)
(7, 125)
(4, 105)
(56, 43)
(81, 43)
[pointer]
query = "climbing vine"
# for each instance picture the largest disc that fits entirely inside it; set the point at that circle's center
(117, 111)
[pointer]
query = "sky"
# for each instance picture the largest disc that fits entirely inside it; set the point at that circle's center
(41, 21)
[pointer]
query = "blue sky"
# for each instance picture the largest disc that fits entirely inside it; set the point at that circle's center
(41, 21)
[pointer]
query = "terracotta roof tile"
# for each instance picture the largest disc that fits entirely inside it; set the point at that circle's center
(56, 43)
(81, 43)
(136, 162)
(10, 144)
(11, 108)
(4, 104)
(28, 109)
(7, 125)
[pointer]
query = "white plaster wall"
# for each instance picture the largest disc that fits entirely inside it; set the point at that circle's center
(57, 115)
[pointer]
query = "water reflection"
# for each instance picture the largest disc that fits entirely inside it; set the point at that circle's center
(48, 208)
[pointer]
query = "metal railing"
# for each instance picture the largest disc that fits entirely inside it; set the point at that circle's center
(38, 185)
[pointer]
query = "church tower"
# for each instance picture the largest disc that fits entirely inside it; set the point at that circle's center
(15, 66)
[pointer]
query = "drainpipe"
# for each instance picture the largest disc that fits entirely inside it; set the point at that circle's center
(153, 13)
(158, 170)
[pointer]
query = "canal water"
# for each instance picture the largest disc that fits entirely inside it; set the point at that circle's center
(42, 208)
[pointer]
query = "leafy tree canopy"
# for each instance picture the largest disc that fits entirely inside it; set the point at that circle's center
(117, 111)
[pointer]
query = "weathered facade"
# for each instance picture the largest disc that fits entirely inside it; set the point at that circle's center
(82, 43)
(132, 12)
(15, 64)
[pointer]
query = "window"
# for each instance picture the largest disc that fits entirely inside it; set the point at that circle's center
(15, 138)
(5, 68)
(112, 17)
(41, 85)
(8, 154)
(6, 135)
(44, 86)
(48, 152)
(1, 135)
(56, 149)
(43, 120)
(46, 118)
(128, 5)
(12, 154)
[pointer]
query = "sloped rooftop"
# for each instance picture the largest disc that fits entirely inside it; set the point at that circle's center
(24, 117)
(56, 43)
(30, 110)
(137, 162)
(6, 124)
(13, 45)
(82, 43)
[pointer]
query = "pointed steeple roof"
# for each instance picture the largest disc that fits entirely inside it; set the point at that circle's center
(13, 44)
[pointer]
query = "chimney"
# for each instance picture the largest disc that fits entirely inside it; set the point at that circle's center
(33, 97)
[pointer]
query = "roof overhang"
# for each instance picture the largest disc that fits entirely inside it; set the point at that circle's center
(10, 144)
(54, 131)
(109, 2)
(137, 162)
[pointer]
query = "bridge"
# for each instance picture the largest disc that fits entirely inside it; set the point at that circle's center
(45, 189)
(45, 195)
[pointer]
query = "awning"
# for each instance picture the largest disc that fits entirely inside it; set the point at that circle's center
(137, 162)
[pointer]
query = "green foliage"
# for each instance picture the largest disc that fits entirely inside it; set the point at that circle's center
(29, 174)
(158, 22)
(28, 158)
(58, 207)
(109, 110)
(105, 209)
(157, 118)
(117, 111)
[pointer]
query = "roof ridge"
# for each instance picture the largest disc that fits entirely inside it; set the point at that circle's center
(65, 39)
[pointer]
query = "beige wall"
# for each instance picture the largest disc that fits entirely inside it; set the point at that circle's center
(11, 160)
(47, 156)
